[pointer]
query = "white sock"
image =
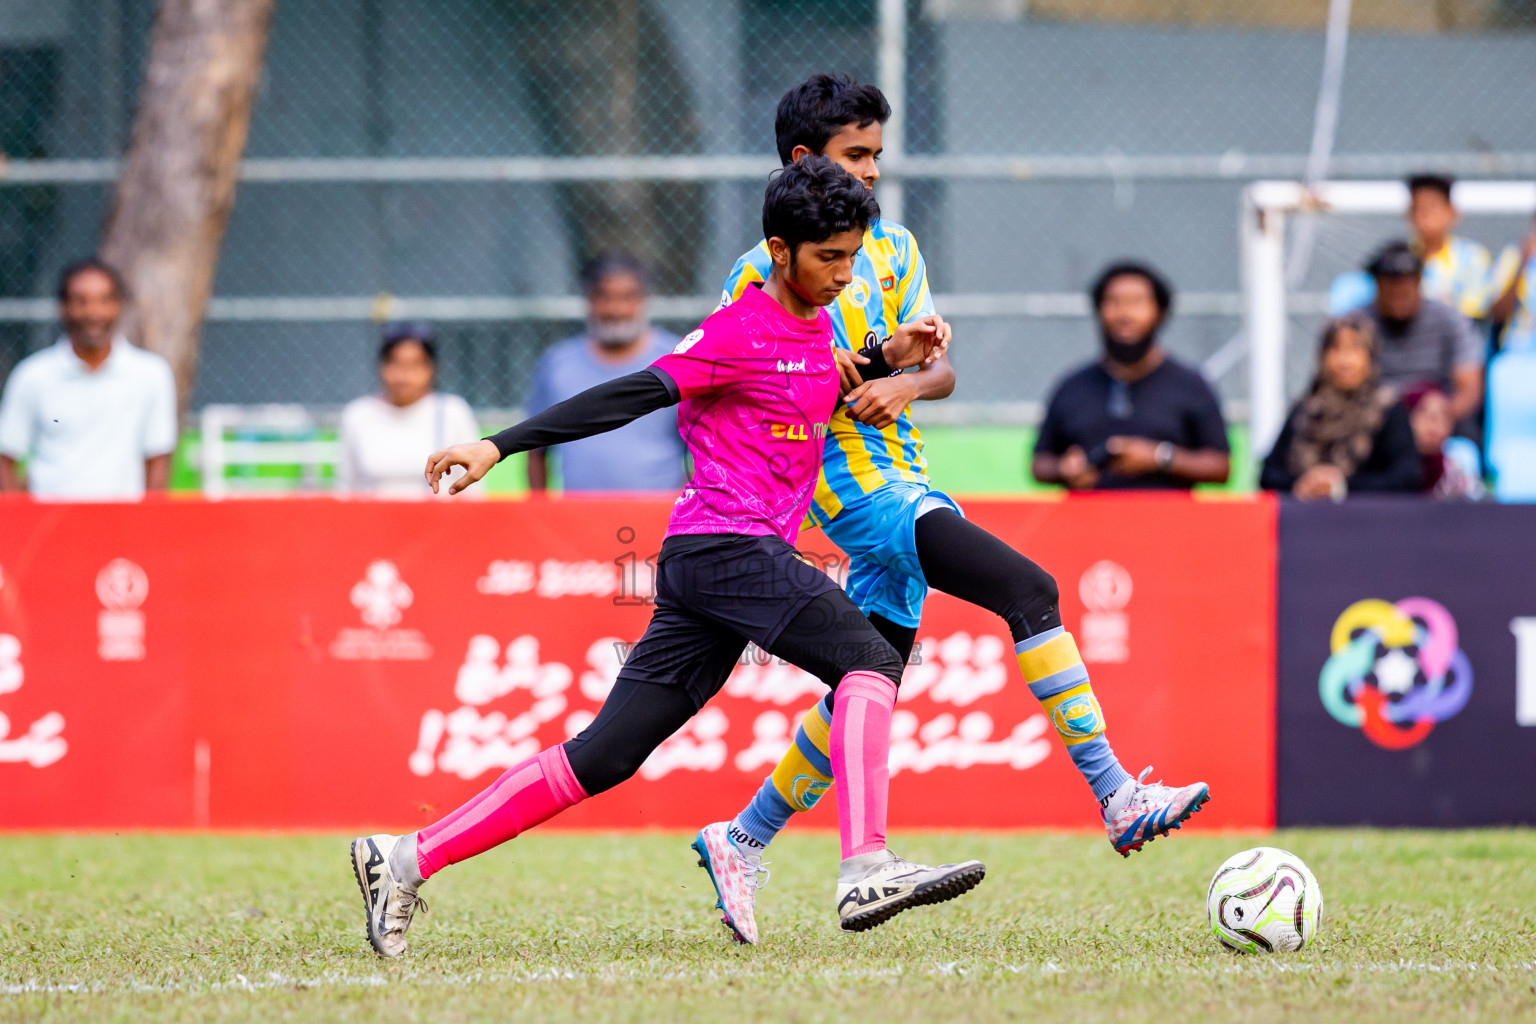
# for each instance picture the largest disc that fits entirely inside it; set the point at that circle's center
(750, 849)
(402, 862)
(855, 868)
(1116, 800)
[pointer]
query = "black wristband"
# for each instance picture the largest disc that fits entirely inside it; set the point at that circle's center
(877, 366)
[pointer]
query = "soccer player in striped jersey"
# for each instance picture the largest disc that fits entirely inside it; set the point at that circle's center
(873, 500)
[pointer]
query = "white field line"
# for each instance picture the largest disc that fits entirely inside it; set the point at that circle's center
(658, 971)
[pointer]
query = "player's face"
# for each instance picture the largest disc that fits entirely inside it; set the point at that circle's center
(819, 271)
(406, 374)
(90, 309)
(1129, 311)
(1431, 214)
(857, 151)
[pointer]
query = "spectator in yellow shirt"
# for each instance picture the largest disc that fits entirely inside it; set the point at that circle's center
(1456, 269)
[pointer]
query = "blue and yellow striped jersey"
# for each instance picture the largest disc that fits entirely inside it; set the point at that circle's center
(1459, 275)
(890, 287)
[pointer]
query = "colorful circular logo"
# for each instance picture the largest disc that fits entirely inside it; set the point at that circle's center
(1078, 717)
(1395, 671)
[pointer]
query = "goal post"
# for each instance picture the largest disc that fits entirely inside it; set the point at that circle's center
(1267, 208)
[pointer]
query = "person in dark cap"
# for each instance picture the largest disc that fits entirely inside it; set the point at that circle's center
(1136, 417)
(1423, 341)
(385, 438)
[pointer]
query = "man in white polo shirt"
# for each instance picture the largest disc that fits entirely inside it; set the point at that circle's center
(93, 416)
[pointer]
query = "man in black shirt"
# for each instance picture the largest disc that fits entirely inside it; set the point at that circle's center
(1136, 418)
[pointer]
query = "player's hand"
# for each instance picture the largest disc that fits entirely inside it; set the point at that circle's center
(477, 458)
(1132, 456)
(1076, 471)
(917, 342)
(848, 364)
(879, 402)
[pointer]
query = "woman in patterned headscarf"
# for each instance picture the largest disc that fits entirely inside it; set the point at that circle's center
(1348, 433)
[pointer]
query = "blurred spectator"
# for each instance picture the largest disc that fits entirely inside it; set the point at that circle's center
(1349, 433)
(1456, 269)
(386, 438)
(1136, 417)
(1448, 464)
(93, 416)
(646, 455)
(1423, 341)
(1515, 290)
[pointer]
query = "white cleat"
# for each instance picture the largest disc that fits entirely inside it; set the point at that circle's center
(735, 878)
(1141, 811)
(389, 900)
(874, 887)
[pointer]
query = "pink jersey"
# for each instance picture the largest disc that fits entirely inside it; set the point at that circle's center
(758, 387)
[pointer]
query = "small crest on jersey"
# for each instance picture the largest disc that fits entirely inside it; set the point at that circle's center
(888, 282)
(858, 292)
(725, 300)
(688, 342)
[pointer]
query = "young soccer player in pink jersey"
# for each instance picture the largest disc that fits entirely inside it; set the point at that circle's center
(902, 537)
(757, 382)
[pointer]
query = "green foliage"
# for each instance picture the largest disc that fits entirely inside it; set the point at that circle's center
(581, 926)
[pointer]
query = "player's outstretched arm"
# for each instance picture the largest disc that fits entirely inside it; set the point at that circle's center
(594, 411)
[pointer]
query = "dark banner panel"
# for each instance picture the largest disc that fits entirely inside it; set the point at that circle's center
(1407, 664)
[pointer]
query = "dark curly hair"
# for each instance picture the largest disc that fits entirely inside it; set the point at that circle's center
(814, 199)
(821, 106)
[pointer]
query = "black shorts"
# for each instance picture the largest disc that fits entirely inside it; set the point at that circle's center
(714, 593)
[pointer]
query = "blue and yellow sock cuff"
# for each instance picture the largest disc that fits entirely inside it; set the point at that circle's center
(804, 773)
(1059, 680)
(1050, 663)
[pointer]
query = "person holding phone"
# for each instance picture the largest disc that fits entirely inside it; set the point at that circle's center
(1135, 417)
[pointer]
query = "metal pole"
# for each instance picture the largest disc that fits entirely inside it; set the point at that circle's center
(1263, 264)
(891, 75)
(1325, 124)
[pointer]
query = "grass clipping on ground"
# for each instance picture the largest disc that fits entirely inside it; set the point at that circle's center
(585, 926)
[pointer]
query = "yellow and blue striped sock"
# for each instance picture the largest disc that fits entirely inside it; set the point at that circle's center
(1059, 680)
(800, 779)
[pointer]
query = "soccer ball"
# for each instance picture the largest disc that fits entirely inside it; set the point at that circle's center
(1264, 900)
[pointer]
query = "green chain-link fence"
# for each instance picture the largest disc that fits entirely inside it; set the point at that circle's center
(458, 159)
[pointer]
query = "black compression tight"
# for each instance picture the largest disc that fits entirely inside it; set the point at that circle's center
(965, 561)
(829, 638)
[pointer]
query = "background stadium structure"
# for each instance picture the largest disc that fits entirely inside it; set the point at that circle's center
(458, 160)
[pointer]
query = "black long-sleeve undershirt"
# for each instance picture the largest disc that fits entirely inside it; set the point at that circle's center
(594, 411)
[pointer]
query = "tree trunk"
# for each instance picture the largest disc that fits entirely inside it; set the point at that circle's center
(604, 80)
(178, 183)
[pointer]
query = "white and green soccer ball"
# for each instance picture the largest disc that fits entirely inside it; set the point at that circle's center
(1264, 900)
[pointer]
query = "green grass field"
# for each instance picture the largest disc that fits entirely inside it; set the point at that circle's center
(620, 927)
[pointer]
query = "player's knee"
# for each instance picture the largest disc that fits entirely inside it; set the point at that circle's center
(881, 657)
(1034, 604)
(599, 771)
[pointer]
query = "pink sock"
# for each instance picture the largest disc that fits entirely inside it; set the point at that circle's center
(860, 753)
(525, 795)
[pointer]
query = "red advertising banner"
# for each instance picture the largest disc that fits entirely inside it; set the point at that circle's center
(323, 663)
